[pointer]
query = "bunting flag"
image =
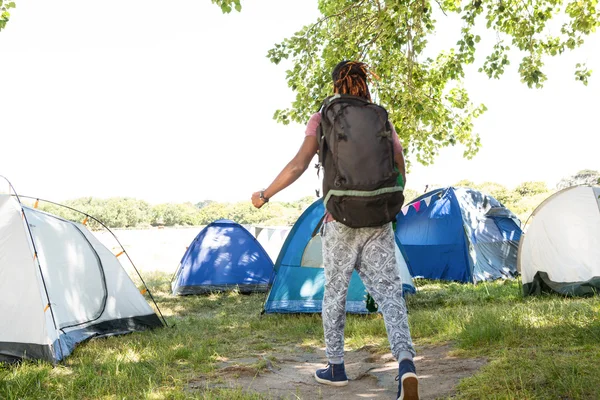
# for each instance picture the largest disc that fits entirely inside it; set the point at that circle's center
(417, 205)
(428, 201)
(404, 210)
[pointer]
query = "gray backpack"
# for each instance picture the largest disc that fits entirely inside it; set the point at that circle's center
(361, 185)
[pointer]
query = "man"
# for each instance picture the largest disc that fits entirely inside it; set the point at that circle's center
(357, 231)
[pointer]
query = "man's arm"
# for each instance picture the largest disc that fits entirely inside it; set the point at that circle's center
(398, 154)
(291, 172)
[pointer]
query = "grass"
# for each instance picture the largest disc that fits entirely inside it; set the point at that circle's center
(538, 348)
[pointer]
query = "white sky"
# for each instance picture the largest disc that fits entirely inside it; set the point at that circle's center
(174, 102)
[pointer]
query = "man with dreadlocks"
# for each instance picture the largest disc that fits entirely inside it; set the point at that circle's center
(364, 176)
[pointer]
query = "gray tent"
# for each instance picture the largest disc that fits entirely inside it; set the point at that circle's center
(60, 286)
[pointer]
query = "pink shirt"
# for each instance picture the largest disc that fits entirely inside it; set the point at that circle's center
(315, 120)
(311, 130)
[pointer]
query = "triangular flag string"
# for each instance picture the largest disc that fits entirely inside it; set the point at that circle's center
(404, 210)
(417, 205)
(428, 201)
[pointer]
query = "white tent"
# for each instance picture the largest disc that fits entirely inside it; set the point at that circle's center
(272, 239)
(60, 286)
(560, 251)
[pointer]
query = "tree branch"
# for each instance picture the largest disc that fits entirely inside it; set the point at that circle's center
(373, 40)
(325, 18)
(441, 8)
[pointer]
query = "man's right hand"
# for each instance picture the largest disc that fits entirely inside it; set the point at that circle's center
(257, 201)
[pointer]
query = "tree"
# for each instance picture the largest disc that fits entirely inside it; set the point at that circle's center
(424, 95)
(304, 202)
(213, 212)
(176, 214)
(465, 183)
(497, 191)
(531, 188)
(410, 195)
(5, 6)
(204, 203)
(583, 177)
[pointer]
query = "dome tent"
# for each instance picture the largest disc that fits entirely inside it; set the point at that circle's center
(223, 256)
(60, 286)
(560, 252)
(299, 281)
(459, 234)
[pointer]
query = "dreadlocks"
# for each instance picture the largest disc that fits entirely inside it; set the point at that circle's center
(350, 77)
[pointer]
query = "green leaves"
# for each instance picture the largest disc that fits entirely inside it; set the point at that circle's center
(531, 73)
(425, 96)
(531, 188)
(582, 73)
(530, 26)
(228, 5)
(4, 13)
(496, 62)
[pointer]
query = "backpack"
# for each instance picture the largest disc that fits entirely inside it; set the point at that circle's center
(356, 151)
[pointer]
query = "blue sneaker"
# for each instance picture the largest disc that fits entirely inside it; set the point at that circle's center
(334, 375)
(408, 383)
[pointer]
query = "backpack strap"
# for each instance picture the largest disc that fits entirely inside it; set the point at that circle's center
(387, 132)
(320, 138)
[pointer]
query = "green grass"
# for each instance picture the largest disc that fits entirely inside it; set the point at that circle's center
(538, 348)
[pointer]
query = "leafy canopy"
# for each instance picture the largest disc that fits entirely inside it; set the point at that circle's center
(424, 94)
(5, 6)
(228, 5)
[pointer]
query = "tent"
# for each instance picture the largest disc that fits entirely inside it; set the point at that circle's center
(272, 239)
(299, 281)
(459, 234)
(560, 252)
(223, 256)
(60, 286)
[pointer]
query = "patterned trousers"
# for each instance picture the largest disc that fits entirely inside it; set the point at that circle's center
(372, 252)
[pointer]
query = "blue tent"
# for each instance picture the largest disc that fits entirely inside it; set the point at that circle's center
(459, 234)
(223, 256)
(299, 281)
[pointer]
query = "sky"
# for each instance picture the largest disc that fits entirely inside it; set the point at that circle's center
(173, 102)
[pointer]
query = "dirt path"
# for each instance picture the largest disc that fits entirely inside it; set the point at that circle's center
(371, 376)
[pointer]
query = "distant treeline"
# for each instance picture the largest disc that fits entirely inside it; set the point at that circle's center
(122, 212)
